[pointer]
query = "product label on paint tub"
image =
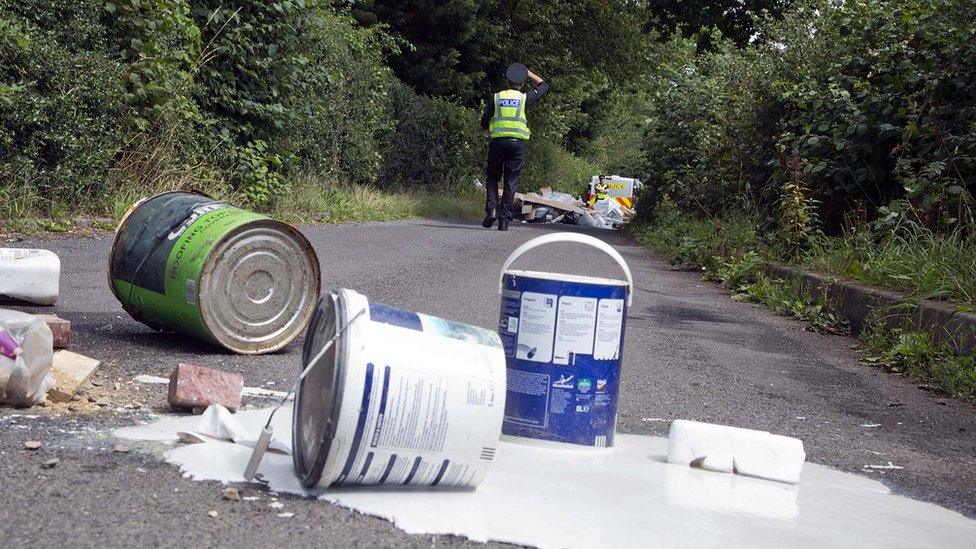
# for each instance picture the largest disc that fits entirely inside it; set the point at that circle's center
(422, 391)
(563, 344)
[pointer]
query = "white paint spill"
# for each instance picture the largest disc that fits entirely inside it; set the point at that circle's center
(625, 497)
(247, 391)
(153, 380)
(265, 393)
(653, 419)
(890, 466)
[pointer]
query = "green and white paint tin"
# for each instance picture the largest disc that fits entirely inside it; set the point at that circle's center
(185, 262)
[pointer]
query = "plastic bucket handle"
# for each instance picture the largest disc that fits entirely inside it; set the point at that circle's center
(571, 237)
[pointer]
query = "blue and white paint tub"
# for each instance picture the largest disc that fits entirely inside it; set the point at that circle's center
(400, 398)
(564, 339)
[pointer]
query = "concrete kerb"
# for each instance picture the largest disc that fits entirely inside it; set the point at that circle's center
(859, 302)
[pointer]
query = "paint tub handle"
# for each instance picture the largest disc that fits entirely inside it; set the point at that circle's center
(571, 237)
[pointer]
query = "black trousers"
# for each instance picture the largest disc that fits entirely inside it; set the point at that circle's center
(505, 159)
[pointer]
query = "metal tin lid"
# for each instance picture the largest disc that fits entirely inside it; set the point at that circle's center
(319, 396)
(259, 286)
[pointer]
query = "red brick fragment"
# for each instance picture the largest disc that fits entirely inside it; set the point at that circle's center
(191, 386)
(60, 329)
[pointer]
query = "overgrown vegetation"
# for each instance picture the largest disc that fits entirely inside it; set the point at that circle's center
(909, 258)
(839, 136)
(725, 253)
(915, 353)
(103, 99)
(863, 109)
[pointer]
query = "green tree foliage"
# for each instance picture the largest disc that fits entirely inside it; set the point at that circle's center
(435, 143)
(870, 102)
(130, 92)
(61, 99)
(441, 39)
(711, 19)
(460, 50)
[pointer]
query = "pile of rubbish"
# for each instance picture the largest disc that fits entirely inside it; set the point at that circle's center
(34, 367)
(549, 206)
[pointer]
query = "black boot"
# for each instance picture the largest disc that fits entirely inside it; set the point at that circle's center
(489, 220)
(502, 224)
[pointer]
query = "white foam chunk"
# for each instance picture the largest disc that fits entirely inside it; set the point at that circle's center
(732, 449)
(30, 275)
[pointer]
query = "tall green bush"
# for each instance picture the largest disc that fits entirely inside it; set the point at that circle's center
(62, 100)
(343, 101)
(871, 101)
(436, 143)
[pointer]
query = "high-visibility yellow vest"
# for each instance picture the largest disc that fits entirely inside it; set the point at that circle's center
(509, 119)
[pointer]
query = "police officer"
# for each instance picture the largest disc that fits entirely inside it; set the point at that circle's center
(505, 119)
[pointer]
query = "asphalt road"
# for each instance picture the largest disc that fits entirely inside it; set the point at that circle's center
(691, 352)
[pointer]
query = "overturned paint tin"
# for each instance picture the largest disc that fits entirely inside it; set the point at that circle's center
(563, 336)
(400, 399)
(187, 263)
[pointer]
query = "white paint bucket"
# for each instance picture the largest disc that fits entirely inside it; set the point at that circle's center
(400, 399)
(564, 342)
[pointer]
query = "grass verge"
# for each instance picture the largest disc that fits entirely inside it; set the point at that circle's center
(307, 201)
(915, 354)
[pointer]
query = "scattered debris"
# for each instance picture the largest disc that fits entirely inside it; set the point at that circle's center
(218, 423)
(890, 466)
(731, 449)
(276, 505)
(60, 330)
(870, 425)
(265, 393)
(231, 494)
(654, 419)
(156, 380)
(50, 464)
(191, 386)
(70, 370)
(33, 444)
(251, 498)
(25, 359)
(286, 515)
(548, 206)
(121, 449)
(30, 275)
(213, 514)
(247, 391)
